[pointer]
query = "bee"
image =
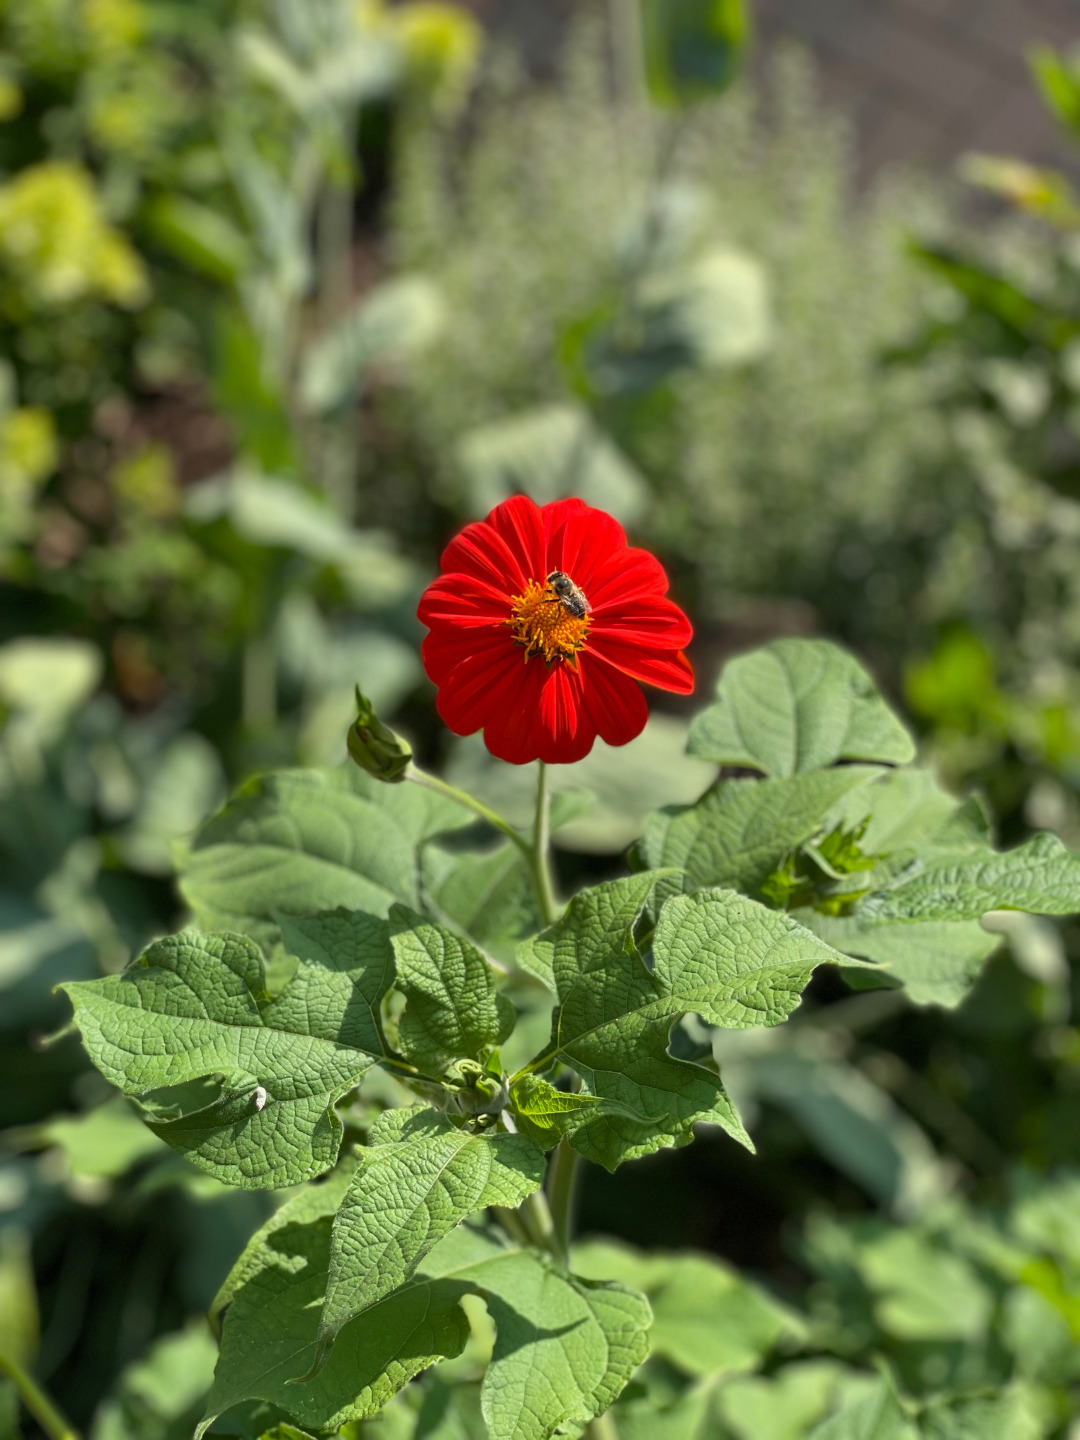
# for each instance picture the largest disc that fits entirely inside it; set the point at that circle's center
(568, 595)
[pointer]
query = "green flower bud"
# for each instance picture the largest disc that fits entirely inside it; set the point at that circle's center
(375, 747)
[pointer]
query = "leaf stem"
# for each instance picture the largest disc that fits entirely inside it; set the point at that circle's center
(539, 852)
(37, 1402)
(440, 787)
(562, 1181)
(536, 1217)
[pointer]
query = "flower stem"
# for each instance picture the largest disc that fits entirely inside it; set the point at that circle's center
(562, 1181)
(539, 853)
(37, 1402)
(440, 787)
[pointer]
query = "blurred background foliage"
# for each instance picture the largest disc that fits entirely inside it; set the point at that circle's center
(287, 293)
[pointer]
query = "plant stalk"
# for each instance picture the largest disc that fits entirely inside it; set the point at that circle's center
(440, 787)
(563, 1174)
(602, 1428)
(55, 1425)
(539, 852)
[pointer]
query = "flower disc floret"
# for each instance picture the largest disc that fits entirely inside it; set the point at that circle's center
(512, 658)
(543, 626)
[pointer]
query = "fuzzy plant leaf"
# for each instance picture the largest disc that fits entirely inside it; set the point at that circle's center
(708, 1320)
(564, 1347)
(798, 705)
(193, 1007)
(270, 1306)
(452, 1008)
(740, 831)
(1040, 876)
(936, 962)
(302, 841)
(418, 1178)
(934, 874)
(732, 961)
(489, 896)
(717, 954)
(546, 1114)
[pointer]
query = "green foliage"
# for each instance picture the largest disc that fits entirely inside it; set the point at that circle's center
(194, 1006)
(795, 706)
(692, 47)
(438, 1176)
(305, 841)
(452, 1009)
(358, 1284)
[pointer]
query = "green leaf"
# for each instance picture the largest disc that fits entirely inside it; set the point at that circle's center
(544, 453)
(693, 48)
(707, 1319)
(160, 1396)
(489, 896)
(922, 1292)
(105, 1141)
(741, 830)
(907, 813)
(419, 1179)
(271, 1304)
(732, 961)
(199, 235)
(937, 961)
(612, 1025)
(798, 705)
(302, 841)
(1059, 84)
(663, 775)
(782, 1406)
(1041, 877)
(564, 1347)
(389, 327)
(196, 1006)
(1012, 1415)
(546, 1114)
(452, 1008)
(874, 1417)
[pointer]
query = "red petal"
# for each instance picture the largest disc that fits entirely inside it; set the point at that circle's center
(447, 647)
(520, 525)
(478, 686)
(650, 621)
(632, 572)
(614, 703)
(547, 720)
(586, 545)
(667, 671)
(482, 552)
(462, 600)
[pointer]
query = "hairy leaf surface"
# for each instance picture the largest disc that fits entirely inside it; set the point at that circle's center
(418, 1179)
(564, 1347)
(732, 961)
(271, 1303)
(196, 1006)
(301, 841)
(707, 1318)
(452, 1008)
(741, 830)
(716, 953)
(798, 705)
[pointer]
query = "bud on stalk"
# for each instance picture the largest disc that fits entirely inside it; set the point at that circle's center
(375, 747)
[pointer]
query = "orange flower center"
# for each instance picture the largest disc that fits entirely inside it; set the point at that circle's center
(544, 626)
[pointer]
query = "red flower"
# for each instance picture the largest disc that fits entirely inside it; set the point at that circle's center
(544, 675)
